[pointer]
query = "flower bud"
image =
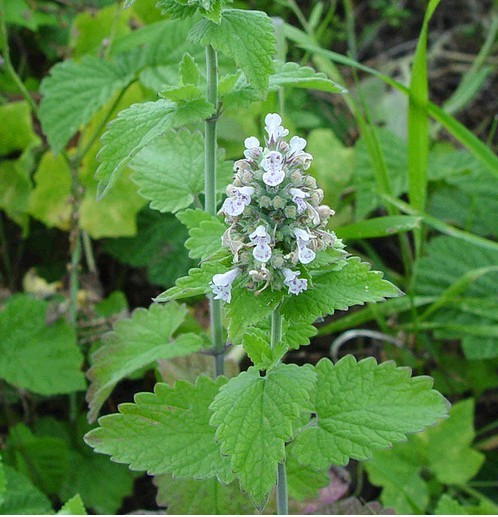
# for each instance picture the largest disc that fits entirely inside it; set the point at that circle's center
(265, 202)
(310, 182)
(325, 212)
(277, 261)
(290, 212)
(247, 177)
(278, 203)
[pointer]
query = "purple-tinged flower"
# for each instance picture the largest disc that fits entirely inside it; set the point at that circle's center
(260, 235)
(253, 148)
(221, 284)
(298, 197)
(296, 285)
(304, 254)
(241, 198)
(272, 164)
(262, 252)
(273, 127)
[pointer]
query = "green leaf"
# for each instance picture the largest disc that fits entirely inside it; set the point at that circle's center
(355, 284)
(135, 343)
(72, 93)
(176, 9)
(138, 126)
(254, 417)
(379, 227)
(205, 233)
(303, 482)
(16, 130)
(42, 358)
(151, 434)
(201, 497)
(197, 281)
(182, 93)
(245, 36)
(15, 187)
(21, 497)
(365, 406)
(42, 459)
(158, 246)
(73, 506)
(443, 451)
(291, 74)
(156, 170)
(189, 71)
(101, 483)
(449, 269)
(449, 447)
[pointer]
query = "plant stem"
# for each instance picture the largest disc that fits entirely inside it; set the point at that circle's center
(87, 246)
(282, 502)
(210, 197)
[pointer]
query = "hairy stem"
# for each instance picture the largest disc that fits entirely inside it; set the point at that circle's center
(210, 199)
(282, 499)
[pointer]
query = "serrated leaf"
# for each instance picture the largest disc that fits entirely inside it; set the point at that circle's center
(72, 93)
(254, 417)
(201, 497)
(185, 92)
(42, 459)
(303, 482)
(158, 246)
(197, 281)
(38, 357)
(245, 36)
(292, 74)
(135, 343)
(189, 71)
(138, 126)
(151, 434)
(176, 9)
(365, 406)
(21, 497)
(205, 233)
(73, 506)
(354, 284)
(156, 170)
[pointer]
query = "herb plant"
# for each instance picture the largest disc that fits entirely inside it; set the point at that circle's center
(262, 239)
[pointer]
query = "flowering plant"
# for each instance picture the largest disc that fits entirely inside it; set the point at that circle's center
(276, 221)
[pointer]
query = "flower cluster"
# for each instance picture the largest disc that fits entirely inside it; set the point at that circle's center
(276, 221)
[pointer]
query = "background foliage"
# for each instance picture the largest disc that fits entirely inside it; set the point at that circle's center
(406, 159)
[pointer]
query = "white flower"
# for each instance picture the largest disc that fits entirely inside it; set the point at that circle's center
(260, 235)
(305, 255)
(221, 284)
(298, 197)
(262, 252)
(296, 285)
(241, 198)
(272, 164)
(253, 149)
(273, 127)
(303, 238)
(297, 144)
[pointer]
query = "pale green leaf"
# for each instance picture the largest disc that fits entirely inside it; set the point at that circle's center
(21, 497)
(254, 417)
(138, 126)
(185, 92)
(245, 36)
(189, 71)
(16, 129)
(42, 459)
(50, 200)
(166, 432)
(73, 506)
(291, 74)
(354, 284)
(176, 9)
(205, 233)
(201, 497)
(365, 406)
(135, 343)
(303, 482)
(73, 92)
(257, 346)
(41, 358)
(15, 187)
(379, 227)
